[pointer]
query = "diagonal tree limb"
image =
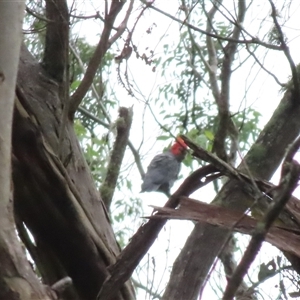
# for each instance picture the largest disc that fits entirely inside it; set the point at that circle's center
(289, 180)
(229, 262)
(262, 160)
(284, 238)
(103, 45)
(147, 233)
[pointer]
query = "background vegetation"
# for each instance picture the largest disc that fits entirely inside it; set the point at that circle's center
(101, 89)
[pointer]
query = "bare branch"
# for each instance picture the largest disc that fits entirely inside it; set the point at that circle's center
(229, 262)
(36, 15)
(224, 126)
(137, 159)
(212, 55)
(287, 53)
(95, 16)
(103, 45)
(251, 41)
(262, 66)
(123, 25)
(123, 125)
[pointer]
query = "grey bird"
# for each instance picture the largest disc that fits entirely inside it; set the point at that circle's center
(164, 169)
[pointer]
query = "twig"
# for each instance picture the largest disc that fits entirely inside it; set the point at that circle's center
(36, 15)
(146, 289)
(123, 25)
(95, 16)
(254, 40)
(262, 66)
(94, 118)
(287, 53)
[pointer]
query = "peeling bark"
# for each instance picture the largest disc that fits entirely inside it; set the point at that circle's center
(17, 279)
(56, 198)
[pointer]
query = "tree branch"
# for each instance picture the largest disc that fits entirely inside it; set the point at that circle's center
(254, 40)
(18, 280)
(262, 160)
(212, 55)
(57, 38)
(123, 125)
(229, 262)
(147, 233)
(288, 182)
(286, 50)
(36, 15)
(103, 45)
(225, 121)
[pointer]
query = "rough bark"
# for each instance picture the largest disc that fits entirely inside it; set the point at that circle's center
(262, 160)
(56, 198)
(123, 125)
(17, 279)
(57, 39)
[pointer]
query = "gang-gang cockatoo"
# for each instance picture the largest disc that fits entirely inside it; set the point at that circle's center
(164, 169)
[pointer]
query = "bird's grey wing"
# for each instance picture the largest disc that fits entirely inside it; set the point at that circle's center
(163, 170)
(159, 167)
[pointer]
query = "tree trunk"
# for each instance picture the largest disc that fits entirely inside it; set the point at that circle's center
(262, 161)
(56, 198)
(17, 279)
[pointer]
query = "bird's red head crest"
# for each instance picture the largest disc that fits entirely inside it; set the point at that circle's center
(179, 147)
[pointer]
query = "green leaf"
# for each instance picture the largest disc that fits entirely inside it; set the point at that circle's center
(210, 136)
(163, 138)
